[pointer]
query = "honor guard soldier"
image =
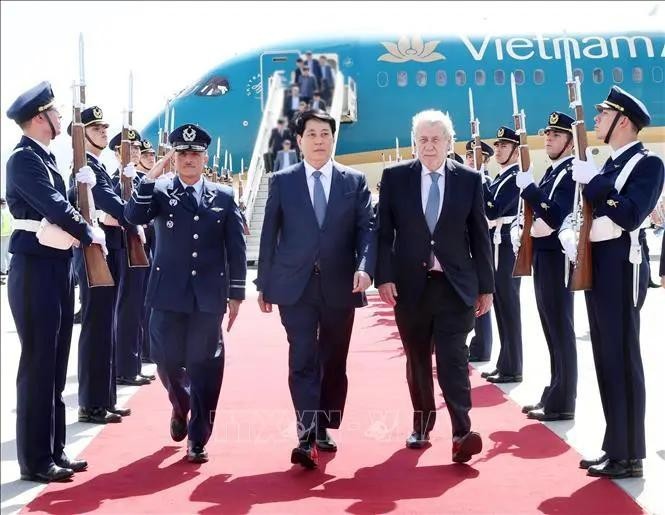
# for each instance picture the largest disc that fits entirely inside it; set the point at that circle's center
(146, 162)
(200, 262)
(97, 390)
(130, 298)
(40, 289)
(622, 194)
(551, 201)
(501, 198)
(480, 347)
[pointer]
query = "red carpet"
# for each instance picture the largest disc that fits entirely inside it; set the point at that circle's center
(136, 467)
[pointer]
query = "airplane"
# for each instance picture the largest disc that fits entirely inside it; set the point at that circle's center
(390, 79)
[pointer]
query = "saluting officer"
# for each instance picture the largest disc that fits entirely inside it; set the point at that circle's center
(40, 289)
(622, 193)
(199, 263)
(95, 355)
(501, 196)
(130, 298)
(552, 201)
(480, 347)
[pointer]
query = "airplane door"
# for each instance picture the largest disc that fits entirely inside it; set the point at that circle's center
(283, 60)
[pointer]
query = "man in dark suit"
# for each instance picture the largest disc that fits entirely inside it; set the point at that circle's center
(313, 65)
(435, 268)
(622, 194)
(308, 84)
(327, 81)
(198, 270)
(318, 103)
(277, 137)
(291, 101)
(316, 260)
(40, 288)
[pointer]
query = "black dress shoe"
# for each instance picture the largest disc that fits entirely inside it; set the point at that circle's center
(53, 474)
(531, 407)
(467, 446)
(541, 415)
(123, 412)
(653, 284)
(305, 455)
(585, 464)
(178, 427)
(476, 359)
(196, 453)
(485, 375)
(75, 465)
(325, 442)
(417, 440)
(616, 469)
(131, 381)
(149, 377)
(505, 379)
(98, 416)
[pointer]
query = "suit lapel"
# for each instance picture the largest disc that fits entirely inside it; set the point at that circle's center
(208, 196)
(415, 193)
(336, 196)
(301, 178)
(450, 178)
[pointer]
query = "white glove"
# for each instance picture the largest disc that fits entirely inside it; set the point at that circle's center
(129, 171)
(515, 239)
(141, 233)
(523, 179)
(567, 239)
(99, 237)
(584, 171)
(86, 176)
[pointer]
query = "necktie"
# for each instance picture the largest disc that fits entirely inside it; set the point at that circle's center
(320, 203)
(607, 166)
(432, 206)
(190, 198)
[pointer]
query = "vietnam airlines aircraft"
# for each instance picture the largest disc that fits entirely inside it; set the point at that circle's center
(388, 80)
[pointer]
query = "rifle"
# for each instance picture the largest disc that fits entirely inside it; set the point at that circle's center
(524, 211)
(96, 268)
(582, 271)
(475, 134)
(135, 250)
(215, 162)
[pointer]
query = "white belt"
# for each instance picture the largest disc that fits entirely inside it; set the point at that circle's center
(48, 234)
(26, 225)
(500, 221)
(540, 229)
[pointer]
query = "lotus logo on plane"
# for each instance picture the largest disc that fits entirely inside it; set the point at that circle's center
(411, 49)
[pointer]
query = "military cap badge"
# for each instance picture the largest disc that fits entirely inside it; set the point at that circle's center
(189, 134)
(554, 118)
(97, 113)
(500, 132)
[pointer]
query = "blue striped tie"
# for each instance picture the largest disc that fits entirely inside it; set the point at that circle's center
(320, 203)
(432, 206)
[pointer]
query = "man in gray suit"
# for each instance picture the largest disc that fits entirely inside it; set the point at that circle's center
(285, 157)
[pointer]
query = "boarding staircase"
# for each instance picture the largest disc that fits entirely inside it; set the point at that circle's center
(255, 192)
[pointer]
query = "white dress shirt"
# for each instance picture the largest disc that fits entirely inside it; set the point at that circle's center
(616, 153)
(326, 178)
(425, 184)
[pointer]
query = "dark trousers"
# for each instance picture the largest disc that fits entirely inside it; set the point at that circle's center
(95, 351)
(441, 321)
(319, 337)
(128, 316)
(615, 339)
(41, 298)
(481, 343)
(507, 312)
(189, 351)
(555, 308)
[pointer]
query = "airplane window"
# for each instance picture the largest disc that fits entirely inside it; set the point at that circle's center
(598, 76)
(480, 77)
(657, 74)
(499, 77)
(538, 76)
(441, 78)
(460, 77)
(402, 79)
(617, 75)
(579, 73)
(421, 78)
(214, 87)
(382, 79)
(519, 77)
(638, 75)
